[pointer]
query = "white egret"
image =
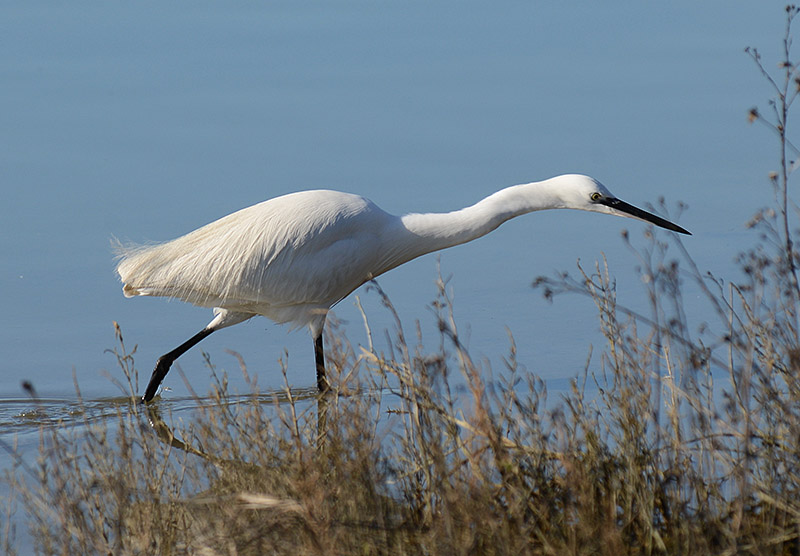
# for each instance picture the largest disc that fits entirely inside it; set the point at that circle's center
(293, 257)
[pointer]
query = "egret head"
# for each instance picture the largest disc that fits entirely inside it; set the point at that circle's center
(587, 193)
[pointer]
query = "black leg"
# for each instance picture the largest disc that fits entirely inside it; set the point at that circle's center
(166, 360)
(319, 356)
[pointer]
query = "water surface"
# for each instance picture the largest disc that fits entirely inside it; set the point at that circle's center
(144, 122)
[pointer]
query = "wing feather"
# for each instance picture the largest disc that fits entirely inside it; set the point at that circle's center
(283, 258)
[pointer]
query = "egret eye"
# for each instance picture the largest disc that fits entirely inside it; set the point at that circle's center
(596, 196)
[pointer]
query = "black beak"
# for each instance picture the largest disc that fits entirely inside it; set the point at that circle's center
(636, 212)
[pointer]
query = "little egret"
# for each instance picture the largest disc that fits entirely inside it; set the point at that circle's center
(294, 257)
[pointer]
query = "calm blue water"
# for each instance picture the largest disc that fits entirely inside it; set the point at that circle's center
(144, 122)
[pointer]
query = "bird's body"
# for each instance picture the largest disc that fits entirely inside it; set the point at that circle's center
(259, 262)
(293, 257)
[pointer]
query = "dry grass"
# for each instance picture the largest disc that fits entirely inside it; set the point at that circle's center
(690, 446)
(662, 460)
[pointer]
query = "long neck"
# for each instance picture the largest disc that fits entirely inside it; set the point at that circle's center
(430, 232)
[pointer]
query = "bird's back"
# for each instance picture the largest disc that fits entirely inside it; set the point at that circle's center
(283, 258)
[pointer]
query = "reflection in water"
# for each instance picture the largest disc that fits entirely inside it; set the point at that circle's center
(165, 433)
(285, 396)
(19, 416)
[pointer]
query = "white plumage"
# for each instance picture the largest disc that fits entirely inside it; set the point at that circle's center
(293, 257)
(264, 259)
